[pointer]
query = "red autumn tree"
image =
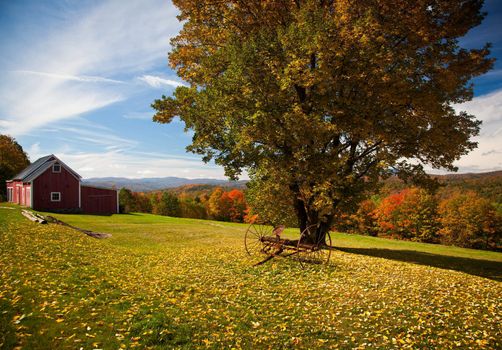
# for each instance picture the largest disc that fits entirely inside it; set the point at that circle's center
(238, 207)
(409, 214)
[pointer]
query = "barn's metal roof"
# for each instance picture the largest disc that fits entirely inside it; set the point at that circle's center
(32, 167)
(39, 166)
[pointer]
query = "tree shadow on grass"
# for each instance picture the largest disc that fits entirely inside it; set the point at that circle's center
(484, 268)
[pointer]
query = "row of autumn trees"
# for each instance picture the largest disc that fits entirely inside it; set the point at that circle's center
(461, 218)
(451, 216)
(218, 204)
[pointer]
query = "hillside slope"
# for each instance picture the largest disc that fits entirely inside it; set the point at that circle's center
(166, 283)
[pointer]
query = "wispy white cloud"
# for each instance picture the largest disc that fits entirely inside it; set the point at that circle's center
(32, 103)
(145, 173)
(76, 65)
(83, 78)
(132, 165)
(34, 151)
(94, 150)
(159, 82)
(81, 133)
(158, 155)
(488, 109)
(139, 115)
(494, 73)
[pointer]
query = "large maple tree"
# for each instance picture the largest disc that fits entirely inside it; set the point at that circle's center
(317, 100)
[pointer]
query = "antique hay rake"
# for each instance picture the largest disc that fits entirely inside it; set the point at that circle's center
(265, 242)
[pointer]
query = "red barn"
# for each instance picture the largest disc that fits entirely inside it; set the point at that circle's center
(48, 184)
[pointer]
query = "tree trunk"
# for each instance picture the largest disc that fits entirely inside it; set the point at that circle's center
(313, 227)
(299, 205)
(315, 230)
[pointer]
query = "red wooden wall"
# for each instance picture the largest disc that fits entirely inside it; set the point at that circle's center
(99, 200)
(63, 182)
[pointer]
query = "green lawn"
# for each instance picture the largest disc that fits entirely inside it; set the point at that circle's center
(166, 283)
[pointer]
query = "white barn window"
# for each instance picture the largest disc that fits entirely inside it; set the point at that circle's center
(55, 196)
(56, 168)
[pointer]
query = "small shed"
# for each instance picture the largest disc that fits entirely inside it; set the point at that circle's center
(99, 200)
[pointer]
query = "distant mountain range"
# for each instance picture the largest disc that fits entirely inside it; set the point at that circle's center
(470, 176)
(488, 184)
(483, 182)
(157, 183)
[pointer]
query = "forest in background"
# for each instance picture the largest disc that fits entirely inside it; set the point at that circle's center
(466, 209)
(189, 201)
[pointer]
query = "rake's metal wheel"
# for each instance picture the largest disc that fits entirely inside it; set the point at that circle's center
(317, 252)
(254, 244)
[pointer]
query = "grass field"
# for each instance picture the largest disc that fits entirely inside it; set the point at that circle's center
(166, 283)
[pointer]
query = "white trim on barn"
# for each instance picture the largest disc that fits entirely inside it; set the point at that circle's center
(118, 209)
(31, 194)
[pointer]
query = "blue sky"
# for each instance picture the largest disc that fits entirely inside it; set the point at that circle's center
(78, 78)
